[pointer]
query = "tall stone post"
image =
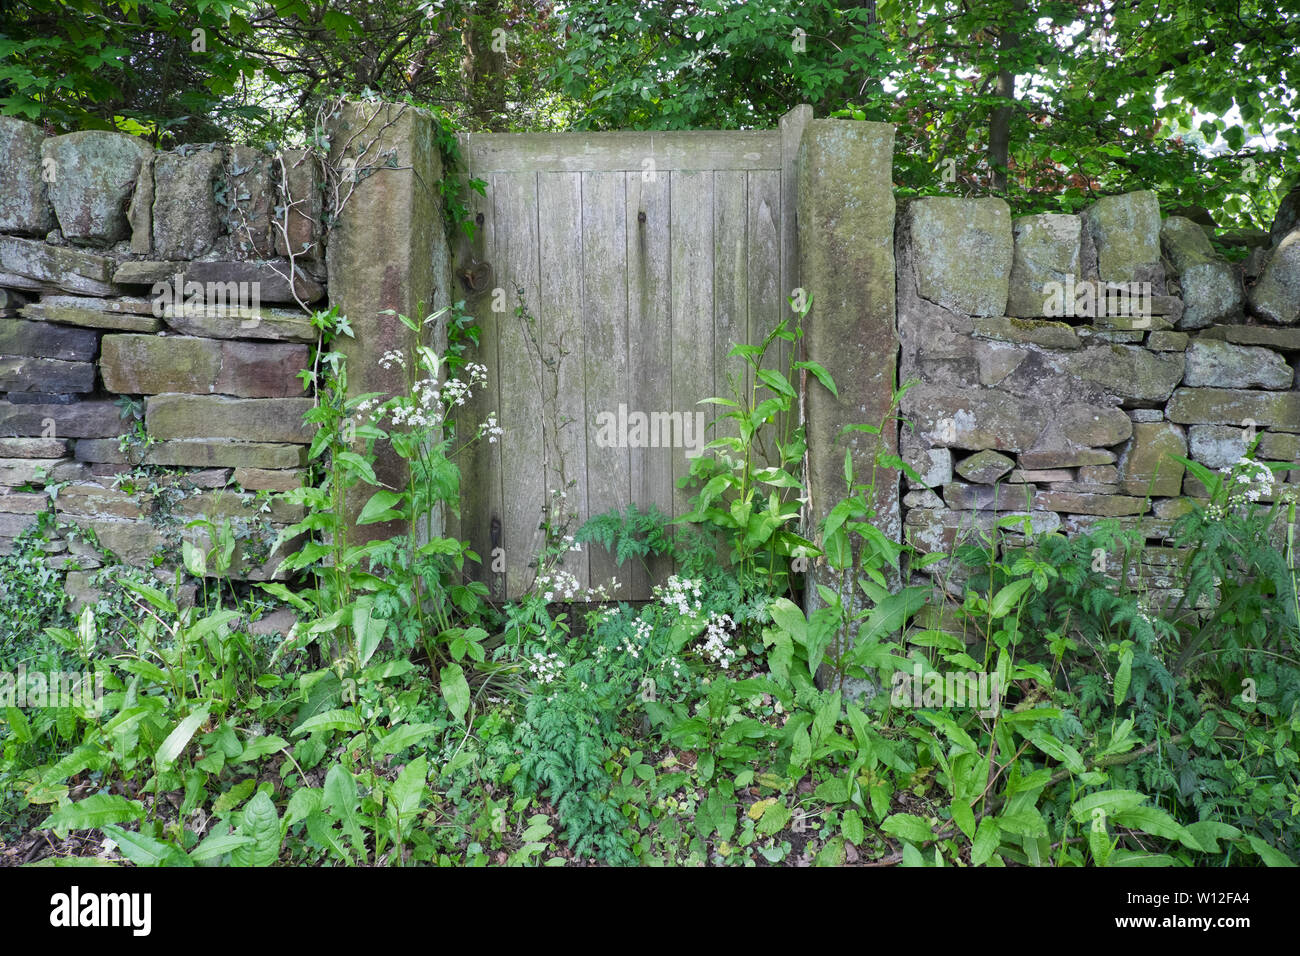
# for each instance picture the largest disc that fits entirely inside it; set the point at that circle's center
(846, 249)
(387, 249)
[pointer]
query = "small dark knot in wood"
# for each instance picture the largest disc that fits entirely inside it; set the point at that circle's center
(640, 216)
(476, 276)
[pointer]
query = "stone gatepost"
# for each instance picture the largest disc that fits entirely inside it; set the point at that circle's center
(846, 245)
(386, 250)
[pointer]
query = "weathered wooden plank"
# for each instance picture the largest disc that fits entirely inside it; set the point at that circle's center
(481, 479)
(521, 419)
(649, 326)
(763, 248)
(560, 233)
(792, 127)
(661, 152)
(692, 339)
(730, 281)
(604, 298)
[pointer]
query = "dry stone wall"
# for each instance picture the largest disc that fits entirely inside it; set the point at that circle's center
(160, 294)
(1063, 360)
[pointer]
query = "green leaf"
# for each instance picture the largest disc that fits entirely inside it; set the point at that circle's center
(775, 381)
(774, 819)
(1124, 674)
(455, 690)
(218, 844)
(408, 789)
(403, 736)
(177, 740)
(94, 812)
(1007, 597)
(987, 840)
(851, 826)
(262, 824)
(329, 720)
(908, 827)
(1112, 801)
(233, 797)
(194, 559)
(259, 747)
(1025, 822)
(144, 850)
(380, 507)
(1269, 854)
(18, 725)
(823, 376)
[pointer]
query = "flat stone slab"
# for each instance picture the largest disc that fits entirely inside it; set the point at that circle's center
(272, 420)
(269, 479)
(41, 340)
(1125, 230)
(198, 453)
(60, 267)
(94, 418)
(91, 318)
(186, 221)
(1218, 364)
(1093, 425)
(28, 374)
(1217, 446)
(974, 418)
(1064, 456)
(280, 325)
(1089, 504)
(1276, 296)
(1128, 371)
(1049, 335)
(1167, 341)
(134, 305)
(964, 497)
(150, 365)
(1267, 335)
(32, 448)
(268, 280)
(1223, 406)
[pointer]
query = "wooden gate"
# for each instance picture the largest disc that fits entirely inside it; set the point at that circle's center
(643, 258)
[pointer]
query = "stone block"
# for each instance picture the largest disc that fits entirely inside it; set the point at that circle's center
(962, 251)
(1047, 249)
(24, 199)
(186, 220)
(94, 173)
(1147, 464)
(274, 420)
(1217, 364)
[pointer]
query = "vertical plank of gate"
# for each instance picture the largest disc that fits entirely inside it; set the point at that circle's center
(521, 383)
(560, 235)
(649, 328)
(604, 297)
(481, 480)
(692, 348)
(792, 127)
(730, 304)
(730, 298)
(764, 263)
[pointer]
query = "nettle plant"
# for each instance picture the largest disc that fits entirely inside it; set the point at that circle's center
(405, 589)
